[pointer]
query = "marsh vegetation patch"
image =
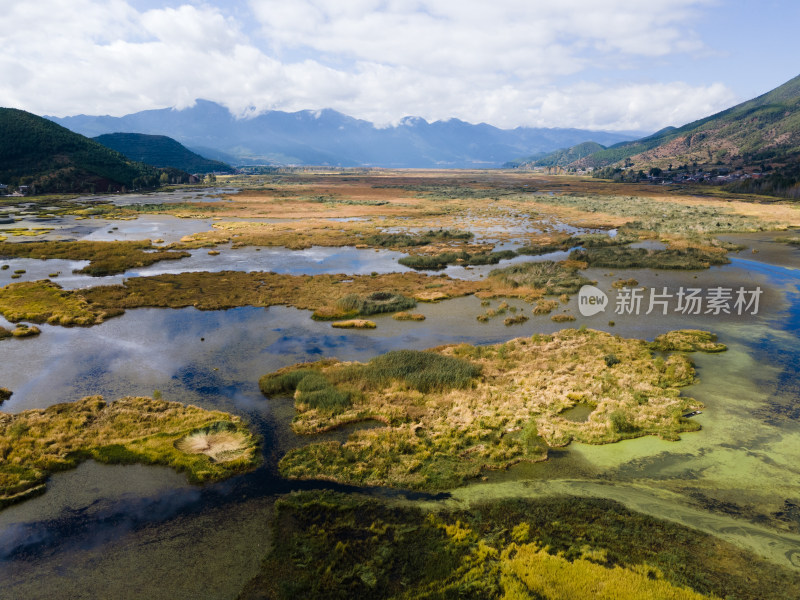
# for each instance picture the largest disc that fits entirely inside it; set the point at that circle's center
(662, 215)
(640, 258)
(354, 324)
(553, 278)
(45, 302)
(38, 442)
(351, 546)
(105, 258)
(455, 410)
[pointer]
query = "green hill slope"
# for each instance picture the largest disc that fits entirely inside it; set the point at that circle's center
(160, 151)
(766, 128)
(39, 153)
(561, 158)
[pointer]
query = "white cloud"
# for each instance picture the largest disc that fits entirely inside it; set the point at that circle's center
(631, 106)
(508, 35)
(504, 62)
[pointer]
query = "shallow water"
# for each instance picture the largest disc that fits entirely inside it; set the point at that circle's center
(106, 531)
(578, 413)
(153, 227)
(201, 194)
(213, 358)
(311, 261)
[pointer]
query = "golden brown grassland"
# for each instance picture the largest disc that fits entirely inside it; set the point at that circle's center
(331, 297)
(453, 411)
(449, 204)
(36, 443)
(46, 302)
(490, 203)
(106, 258)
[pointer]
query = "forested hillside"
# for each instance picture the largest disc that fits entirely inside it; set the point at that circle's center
(160, 151)
(49, 158)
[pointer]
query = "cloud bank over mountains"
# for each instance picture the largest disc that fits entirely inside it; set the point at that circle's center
(575, 63)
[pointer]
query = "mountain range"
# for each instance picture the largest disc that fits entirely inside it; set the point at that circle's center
(327, 137)
(763, 130)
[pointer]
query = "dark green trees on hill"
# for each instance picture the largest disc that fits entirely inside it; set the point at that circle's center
(50, 158)
(160, 151)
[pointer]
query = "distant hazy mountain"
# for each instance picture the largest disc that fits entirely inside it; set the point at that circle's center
(160, 151)
(49, 158)
(765, 129)
(328, 137)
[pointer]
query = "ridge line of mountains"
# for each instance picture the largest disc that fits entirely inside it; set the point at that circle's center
(763, 130)
(751, 139)
(329, 138)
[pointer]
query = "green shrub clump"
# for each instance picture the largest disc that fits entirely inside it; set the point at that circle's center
(422, 371)
(310, 387)
(404, 240)
(374, 303)
(334, 390)
(440, 261)
(553, 277)
(636, 258)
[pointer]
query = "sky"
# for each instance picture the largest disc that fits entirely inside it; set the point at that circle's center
(617, 65)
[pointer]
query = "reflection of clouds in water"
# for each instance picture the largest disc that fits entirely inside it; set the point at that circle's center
(316, 254)
(312, 261)
(141, 364)
(125, 355)
(41, 269)
(166, 227)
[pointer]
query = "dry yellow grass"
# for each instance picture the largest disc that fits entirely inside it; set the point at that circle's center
(296, 235)
(354, 324)
(511, 413)
(407, 316)
(220, 446)
(43, 301)
(544, 306)
(36, 443)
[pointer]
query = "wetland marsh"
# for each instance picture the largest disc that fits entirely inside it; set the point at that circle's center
(482, 431)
